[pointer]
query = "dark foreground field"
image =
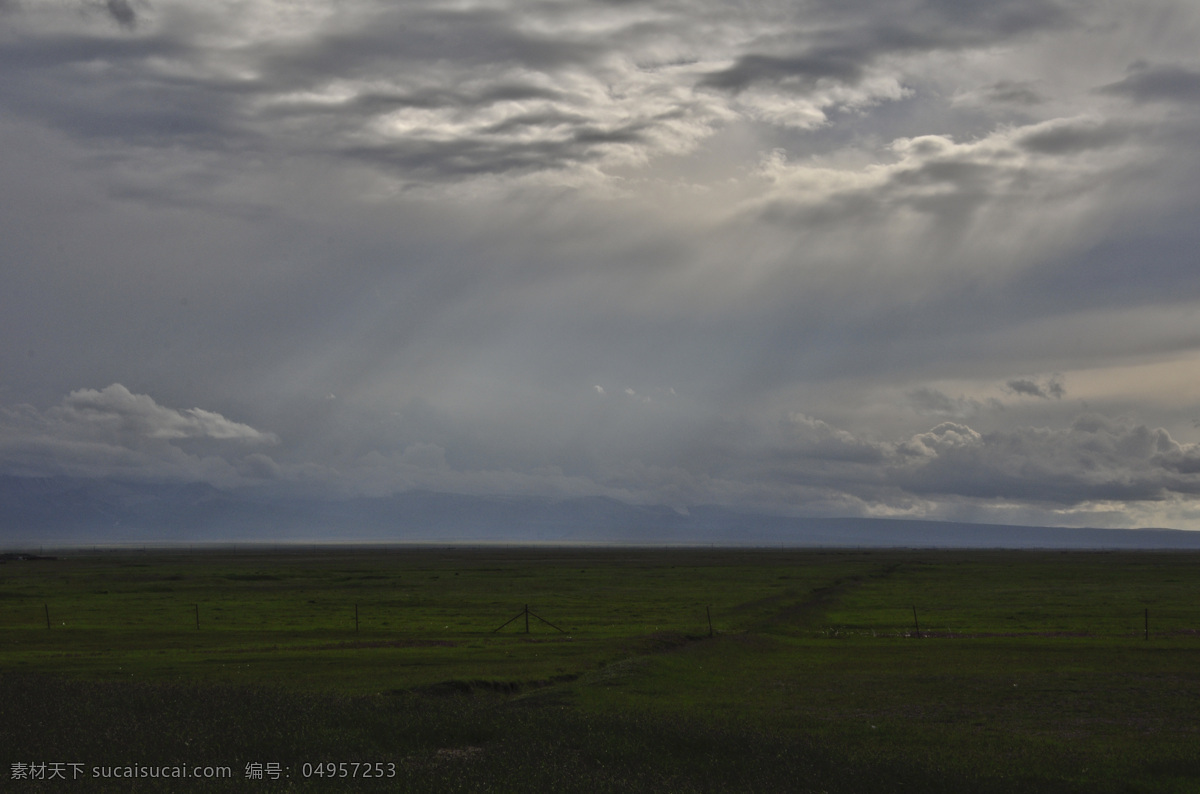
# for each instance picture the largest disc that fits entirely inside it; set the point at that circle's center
(308, 669)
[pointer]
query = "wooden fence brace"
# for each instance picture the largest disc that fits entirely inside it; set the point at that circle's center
(526, 613)
(510, 620)
(539, 617)
(916, 622)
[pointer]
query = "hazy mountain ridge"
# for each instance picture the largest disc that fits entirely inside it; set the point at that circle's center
(61, 510)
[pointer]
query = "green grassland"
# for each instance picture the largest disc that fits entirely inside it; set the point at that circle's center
(1030, 671)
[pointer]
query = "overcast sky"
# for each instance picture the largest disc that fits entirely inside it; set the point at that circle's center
(910, 258)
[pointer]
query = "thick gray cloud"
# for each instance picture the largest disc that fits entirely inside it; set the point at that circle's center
(1013, 92)
(1053, 387)
(1070, 138)
(803, 72)
(669, 252)
(122, 12)
(933, 402)
(844, 41)
(1147, 82)
(1095, 460)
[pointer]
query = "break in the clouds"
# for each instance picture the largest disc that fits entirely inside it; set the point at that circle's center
(913, 258)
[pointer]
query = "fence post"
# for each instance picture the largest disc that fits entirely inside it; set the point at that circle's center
(708, 611)
(527, 618)
(916, 622)
(47, 608)
(197, 606)
(1146, 618)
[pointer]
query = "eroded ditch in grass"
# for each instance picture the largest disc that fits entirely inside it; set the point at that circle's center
(793, 609)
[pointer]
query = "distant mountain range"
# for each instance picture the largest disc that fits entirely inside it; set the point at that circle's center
(62, 511)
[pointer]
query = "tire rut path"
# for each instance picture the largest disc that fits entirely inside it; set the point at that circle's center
(792, 609)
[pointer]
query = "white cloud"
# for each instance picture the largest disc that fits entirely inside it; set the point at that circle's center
(114, 432)
(1006, 199)
(1096, 460)
(816, 439)
(116, 414)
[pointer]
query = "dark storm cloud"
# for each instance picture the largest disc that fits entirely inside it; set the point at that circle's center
(122, 13)
(485, 154)
(1154, 83)
(158, 113)
(803, 70)
(1032, 388)
(1015, 93)
(433, 57)
(503, 95)
(844, 43)
(1152, 264)
(1007, 18)
(1181, 461)
(455, 40)
(926, 400)
(370, 104)
(1070, 138)
(68, 83)
(60, 51)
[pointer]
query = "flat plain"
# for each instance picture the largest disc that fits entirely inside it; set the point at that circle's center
(606, 669)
